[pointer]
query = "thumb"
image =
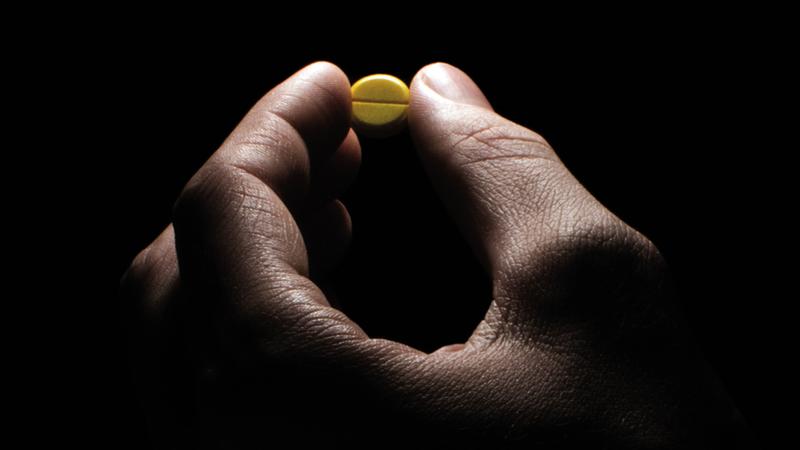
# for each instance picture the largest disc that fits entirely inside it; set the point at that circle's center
(503, 184)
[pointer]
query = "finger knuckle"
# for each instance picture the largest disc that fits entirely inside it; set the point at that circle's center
(266, 142)
(214, 187)
(268, 151)
(599, 275)
(149, 275)
(590, 259)
(608, 244)
(287, 319)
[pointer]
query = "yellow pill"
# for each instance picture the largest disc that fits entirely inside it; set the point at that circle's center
(380, 103)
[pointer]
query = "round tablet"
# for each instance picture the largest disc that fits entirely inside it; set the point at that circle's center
(380, 103)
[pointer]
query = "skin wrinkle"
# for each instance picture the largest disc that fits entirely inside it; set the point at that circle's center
(500, 204)
(329, 336)
(486, 130)
(287, 99)
(462, 137)
(271, 134)
(331, 93)
(491, 159)
(289, 148)
(284, 295)
(389, 363)
(509, 199)
(288, 231)
(328, 121)
(539, 202)
(503, 402)
(500, 133)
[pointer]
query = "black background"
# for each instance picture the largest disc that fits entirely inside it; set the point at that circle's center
(667, 127)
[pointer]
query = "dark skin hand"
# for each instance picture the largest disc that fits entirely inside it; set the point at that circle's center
(235, 346)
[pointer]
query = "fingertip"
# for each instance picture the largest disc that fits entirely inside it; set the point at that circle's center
(448, 82)
(316, 102)
(331, 75)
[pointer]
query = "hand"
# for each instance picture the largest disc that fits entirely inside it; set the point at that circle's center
(235, 346)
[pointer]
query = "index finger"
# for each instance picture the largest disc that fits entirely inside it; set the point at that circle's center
(238, 245)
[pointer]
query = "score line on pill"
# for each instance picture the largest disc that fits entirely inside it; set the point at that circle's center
(380, 104)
